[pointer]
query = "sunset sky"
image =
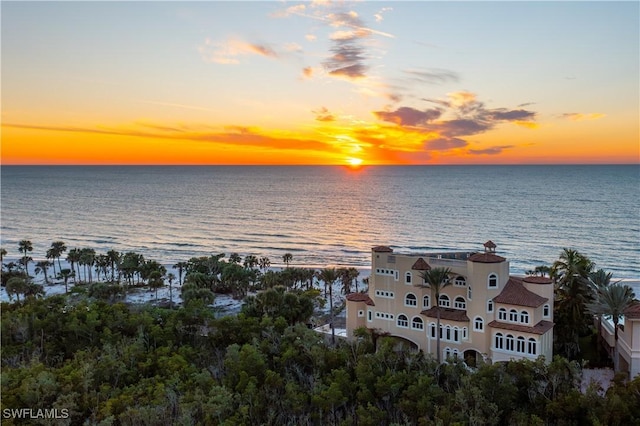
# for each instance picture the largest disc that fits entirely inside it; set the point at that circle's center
(382, 82)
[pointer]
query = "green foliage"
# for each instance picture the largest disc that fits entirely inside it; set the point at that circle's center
(293, 306)
(109, 363)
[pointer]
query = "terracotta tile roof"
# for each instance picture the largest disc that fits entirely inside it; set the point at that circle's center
(514, 293)
(490, 244)
(486, 258)
(537, 280)
(360, 297)
(633, 311)
(447, 314)
(540, 328)
(382, 249)
(421, 265)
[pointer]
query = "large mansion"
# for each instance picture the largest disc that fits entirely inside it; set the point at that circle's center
(484, 312)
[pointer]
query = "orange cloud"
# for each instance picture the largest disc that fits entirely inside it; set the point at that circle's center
(576, 116)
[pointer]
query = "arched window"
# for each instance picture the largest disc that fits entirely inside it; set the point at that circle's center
(489, 305)
(447, 332)
(493, 281)
(520, 344)
(417, 324)
(502, 314)
(426, 301)
(369, 315)
(407, 278)
(478, 324)
(464, 333)
(410, 300)
(447, 352)
(444, 301)
(524, 317)
(513, 315)
(546, 311)
(456, 334)
(403, 321)
(432, 330)
(460, 281)
(532, 346)
(509, 342)
(459, 303)
(499, 341)
(469, 293)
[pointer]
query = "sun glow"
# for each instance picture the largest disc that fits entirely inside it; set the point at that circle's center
(355, 162)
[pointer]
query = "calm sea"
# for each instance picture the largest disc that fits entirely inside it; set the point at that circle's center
(328, 215)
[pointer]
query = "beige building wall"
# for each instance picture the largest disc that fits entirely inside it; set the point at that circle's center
(399, 305)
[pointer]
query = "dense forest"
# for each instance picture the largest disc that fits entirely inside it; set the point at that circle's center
(100, 361)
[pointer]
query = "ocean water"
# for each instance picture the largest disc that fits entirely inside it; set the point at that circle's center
(328, 216)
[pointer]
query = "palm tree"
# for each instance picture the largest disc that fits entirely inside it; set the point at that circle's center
(73, 257)
(42, 266)
(87, 258)
(56, 250)
(600, 278)
(113, 258)
(573, 293)
(156, 281)
(612, 301)
(436, 279)
(180, 266)
(3, 253)
(250, 262)
(25, 246)
(65, 274)
(235, 258)
(170, 277)
(287, 258)
(329, 276)
(17, 286)
(264, 263)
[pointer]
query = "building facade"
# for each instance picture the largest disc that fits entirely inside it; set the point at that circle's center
(484, 312)
(628, 339)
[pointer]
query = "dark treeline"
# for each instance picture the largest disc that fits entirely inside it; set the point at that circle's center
(142, 365)
(112, 274)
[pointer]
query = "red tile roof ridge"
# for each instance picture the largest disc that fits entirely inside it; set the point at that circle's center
(533, 279)
(486, 258)
(421, 265)
(360, 297)
(515, 293)
(446, 314)
(633, 311)
(540, 328)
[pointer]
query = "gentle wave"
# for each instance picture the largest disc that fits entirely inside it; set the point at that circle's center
(329, 215)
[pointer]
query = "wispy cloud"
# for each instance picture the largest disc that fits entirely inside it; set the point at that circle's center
(229, 52)
(407, 116)
(348, 58)
(228, 135)
(432, 75)
(495, 150)
(577, 116)
(379, 15)
(444, 144)
(323, 114)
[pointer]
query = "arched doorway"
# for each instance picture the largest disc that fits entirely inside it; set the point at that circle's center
(472, 358)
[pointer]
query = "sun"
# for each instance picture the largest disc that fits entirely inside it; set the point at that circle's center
(354, 162)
